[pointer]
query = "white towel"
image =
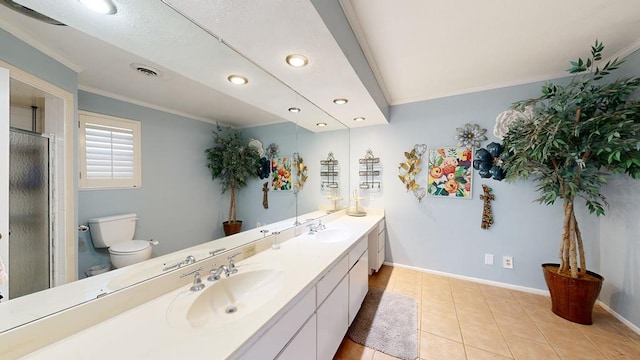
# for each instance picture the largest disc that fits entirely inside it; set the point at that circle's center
(4, 276)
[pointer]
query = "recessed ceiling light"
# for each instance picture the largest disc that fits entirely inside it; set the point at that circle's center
(105, 7)
(358, 119)
(321, 124)
(294, 109)
(237, 79)
(297, 60)
(340, 101)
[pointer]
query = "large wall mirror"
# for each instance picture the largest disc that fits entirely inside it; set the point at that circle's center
(178, 204)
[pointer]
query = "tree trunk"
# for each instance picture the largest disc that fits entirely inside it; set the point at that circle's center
(232, 205)
(571, 247)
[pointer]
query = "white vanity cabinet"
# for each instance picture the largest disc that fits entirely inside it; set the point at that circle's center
(358, 277)
(333, 309)
(377, 241)
(282, 332)
(303, 346)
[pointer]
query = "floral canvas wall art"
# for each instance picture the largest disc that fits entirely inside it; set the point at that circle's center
(450, 172)
(281, 177)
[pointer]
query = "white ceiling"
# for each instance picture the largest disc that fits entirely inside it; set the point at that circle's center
(417, 49)
(425, 49)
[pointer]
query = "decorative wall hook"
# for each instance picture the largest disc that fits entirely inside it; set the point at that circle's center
(487, 213)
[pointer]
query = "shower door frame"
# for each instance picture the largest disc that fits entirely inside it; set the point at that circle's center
(63, 127)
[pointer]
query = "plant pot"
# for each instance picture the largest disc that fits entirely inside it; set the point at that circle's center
(231, 227)
(572, 299)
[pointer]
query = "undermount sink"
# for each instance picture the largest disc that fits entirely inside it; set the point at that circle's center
(331, 235)
(226, 299)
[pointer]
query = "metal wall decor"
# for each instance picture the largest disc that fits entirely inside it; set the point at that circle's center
(470, 135)
(487, 213)
(329, 173)
(301, 172)
(369, 171)
(409, 169)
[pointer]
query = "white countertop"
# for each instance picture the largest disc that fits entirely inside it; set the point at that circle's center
(148, 331)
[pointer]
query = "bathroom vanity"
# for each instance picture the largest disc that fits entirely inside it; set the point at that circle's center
(295, 302)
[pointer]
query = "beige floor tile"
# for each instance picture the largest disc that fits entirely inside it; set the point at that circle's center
(485, 338)
(507, 306)
(442, 326)
(350, 350)
(479, 354)
(520, 326)
(458, 318)
(523, 349)
(378, 355)
(496, 292)
(616, 349)
(434, 347)
(584, 351)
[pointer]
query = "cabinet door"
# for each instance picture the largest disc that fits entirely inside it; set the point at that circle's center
(332, 320)
(303, 346)
(358, 285)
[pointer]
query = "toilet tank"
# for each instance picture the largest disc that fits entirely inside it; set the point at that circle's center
(110, 230)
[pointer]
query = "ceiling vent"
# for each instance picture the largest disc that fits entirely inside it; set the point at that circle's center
(30, 13)
(146, 70)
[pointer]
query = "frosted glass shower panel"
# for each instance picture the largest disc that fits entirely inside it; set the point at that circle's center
(29, 265)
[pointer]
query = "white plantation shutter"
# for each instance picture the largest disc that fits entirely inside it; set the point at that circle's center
(109, 152)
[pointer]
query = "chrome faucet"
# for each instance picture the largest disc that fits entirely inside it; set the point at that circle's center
(215, 273)
(197, 281)
(314, 228)
(188, 261)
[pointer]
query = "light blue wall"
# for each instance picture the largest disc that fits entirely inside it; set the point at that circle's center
(17, 53)
(178, 205)
(619, 245)
(444, 234)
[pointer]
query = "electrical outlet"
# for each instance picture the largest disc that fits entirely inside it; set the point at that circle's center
(507, 262)
(250, 250)
(488, 259)
(372, 196)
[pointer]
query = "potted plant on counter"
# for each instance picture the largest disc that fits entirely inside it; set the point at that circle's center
(232, 161)
(571, 139)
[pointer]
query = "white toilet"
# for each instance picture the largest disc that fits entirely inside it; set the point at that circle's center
(116, 233)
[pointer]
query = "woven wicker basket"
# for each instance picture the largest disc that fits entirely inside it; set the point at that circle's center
(572, 299)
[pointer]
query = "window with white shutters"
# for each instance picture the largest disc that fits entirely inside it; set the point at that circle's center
(109, 150)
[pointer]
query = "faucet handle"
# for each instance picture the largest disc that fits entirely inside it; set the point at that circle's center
(197, 282)
(216, 251)
(232, 264)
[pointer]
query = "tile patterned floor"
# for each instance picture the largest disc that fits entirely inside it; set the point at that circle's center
(469, 321)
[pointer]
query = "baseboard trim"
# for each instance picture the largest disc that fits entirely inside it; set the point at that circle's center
(628, 323)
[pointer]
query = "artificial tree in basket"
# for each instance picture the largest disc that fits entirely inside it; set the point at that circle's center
(232, 161)
(573, 137)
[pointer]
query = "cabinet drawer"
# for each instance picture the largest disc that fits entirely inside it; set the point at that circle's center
(357, 251)
(381, 226)
(272, 342)
(331, 279)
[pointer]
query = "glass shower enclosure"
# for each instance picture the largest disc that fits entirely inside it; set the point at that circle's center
(29, 213)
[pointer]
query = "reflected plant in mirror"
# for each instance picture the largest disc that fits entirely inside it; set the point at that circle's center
(233, 162)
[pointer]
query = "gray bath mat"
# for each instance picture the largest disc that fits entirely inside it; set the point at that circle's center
(387, 322)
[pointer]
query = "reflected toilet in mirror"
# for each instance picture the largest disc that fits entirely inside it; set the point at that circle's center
(116, 233)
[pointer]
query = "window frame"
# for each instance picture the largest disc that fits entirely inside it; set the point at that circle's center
(85, 183)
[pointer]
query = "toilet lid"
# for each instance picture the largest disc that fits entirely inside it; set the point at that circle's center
(128, 247)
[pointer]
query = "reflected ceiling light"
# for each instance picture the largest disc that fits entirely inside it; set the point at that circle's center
(105, 7)
(297, 60)
(321, 124)
(340, 101)
(359, 118)
(237, 79)
(294, 109)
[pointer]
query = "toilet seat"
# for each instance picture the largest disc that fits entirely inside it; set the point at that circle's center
(130, 247)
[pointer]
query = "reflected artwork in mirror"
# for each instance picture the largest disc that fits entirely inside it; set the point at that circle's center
(178, 205)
